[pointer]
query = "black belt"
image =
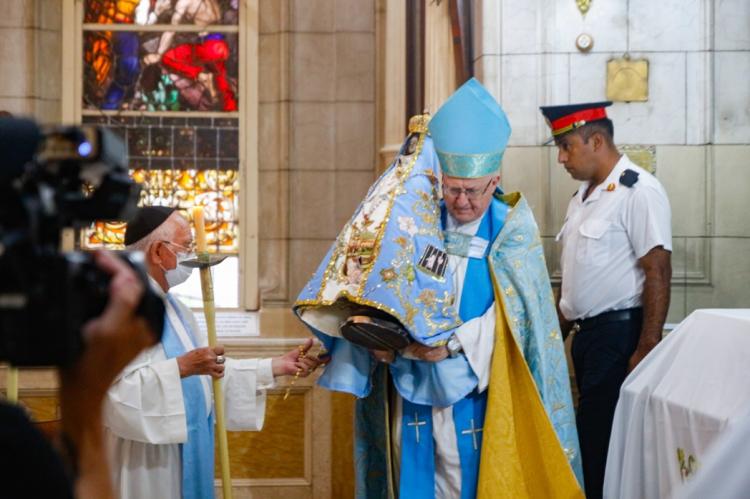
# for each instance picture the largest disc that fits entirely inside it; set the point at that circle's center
(614, 316)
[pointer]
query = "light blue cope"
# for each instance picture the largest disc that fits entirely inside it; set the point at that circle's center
(197, 452)
(470, 132)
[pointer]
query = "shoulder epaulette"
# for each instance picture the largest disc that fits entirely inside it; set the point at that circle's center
(629, 177)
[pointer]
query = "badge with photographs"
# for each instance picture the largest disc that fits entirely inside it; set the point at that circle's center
(433, 261)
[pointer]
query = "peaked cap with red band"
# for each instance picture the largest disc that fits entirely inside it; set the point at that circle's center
(563, 119)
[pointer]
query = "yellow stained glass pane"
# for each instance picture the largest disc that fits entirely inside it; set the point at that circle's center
(216, 190)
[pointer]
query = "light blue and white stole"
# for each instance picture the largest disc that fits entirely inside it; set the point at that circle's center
(198, 452)
(417, 477)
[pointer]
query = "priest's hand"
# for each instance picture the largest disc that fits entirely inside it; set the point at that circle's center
(297, 362)
(203, 360)
(422, 352)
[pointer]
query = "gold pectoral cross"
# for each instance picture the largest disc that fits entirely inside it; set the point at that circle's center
(416, 424)
(473, 431)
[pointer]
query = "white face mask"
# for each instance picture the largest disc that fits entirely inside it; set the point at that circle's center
(180, 273)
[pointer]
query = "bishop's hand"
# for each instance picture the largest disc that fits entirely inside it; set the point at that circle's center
(423, 352)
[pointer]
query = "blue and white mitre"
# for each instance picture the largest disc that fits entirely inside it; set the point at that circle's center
(470, 132)
(390, 256)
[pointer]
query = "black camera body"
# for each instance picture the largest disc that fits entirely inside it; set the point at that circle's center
(49, 181)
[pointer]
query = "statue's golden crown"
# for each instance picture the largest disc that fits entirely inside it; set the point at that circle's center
(418, 123)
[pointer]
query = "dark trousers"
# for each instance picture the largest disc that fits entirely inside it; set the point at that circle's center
(600, 357)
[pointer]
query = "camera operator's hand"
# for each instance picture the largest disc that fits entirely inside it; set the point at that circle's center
(112, 340)
(203, 360)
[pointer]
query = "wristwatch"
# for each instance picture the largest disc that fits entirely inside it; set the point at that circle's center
(454, 346)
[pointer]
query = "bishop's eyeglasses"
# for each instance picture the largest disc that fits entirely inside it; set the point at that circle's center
(471, 193)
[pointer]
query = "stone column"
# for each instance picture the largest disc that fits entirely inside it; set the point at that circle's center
(30, 54)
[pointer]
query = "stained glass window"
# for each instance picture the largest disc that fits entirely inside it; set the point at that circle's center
(180, 162)
(160, 55)
(164, 76)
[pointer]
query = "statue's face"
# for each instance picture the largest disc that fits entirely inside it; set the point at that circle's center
(466, 199)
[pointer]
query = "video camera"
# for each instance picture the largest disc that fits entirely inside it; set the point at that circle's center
(64, 177)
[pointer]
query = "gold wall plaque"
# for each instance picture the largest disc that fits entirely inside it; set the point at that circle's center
(627, 80)
(643, 156)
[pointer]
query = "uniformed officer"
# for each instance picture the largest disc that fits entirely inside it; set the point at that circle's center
(616, 270)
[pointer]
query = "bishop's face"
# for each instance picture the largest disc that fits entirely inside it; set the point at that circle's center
(466, 199)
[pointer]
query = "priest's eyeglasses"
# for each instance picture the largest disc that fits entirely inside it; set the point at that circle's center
(471, 193)
(186, 249)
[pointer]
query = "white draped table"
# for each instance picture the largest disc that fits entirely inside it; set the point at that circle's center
(676, 403)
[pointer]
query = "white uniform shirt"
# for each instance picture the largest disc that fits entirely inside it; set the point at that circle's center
(604, 236)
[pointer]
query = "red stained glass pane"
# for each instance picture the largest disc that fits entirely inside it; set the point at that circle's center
(160, 71)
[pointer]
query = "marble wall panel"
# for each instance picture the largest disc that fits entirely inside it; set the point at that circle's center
(732, 97)
(312, 15)
(525, 169)
(677, 304)
(17, 56)
(355, 66)
(519, 30)
(354, 16)
(47, 111)
(355, 136)
(272, 269)
(48, 14)
(18, 105)
(528, 80)
(48, 64)
(312, 205)
(655, 27)
(731, 166)
(312, 136)
(699, 103)
(605, 22)
(730, 269)
(732, 30)
(682, 170)
(313, 62)
(488, 70)
(17, 14)
(270, 66)
(271, 132)
(273, 190)
(662, 119)
(273, 15)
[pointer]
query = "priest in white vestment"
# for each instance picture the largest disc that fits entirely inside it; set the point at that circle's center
(159, 411)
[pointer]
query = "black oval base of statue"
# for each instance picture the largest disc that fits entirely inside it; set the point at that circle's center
(375, 333)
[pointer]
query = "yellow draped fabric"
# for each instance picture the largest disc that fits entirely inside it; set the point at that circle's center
(521, 454)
